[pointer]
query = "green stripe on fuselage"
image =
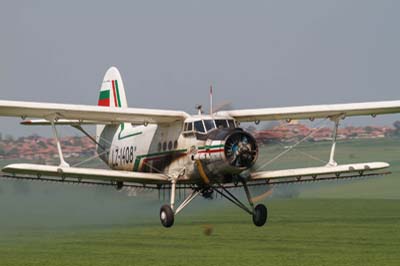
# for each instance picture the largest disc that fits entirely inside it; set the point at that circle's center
(140, 157)
(127, 136)
(207, 147)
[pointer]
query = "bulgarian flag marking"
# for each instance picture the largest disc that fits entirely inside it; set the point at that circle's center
(104, 99)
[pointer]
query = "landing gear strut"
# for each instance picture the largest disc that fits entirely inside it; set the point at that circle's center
(167, 212)
(259, 213)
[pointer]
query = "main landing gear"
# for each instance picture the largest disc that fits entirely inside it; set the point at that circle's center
(167, 212)
(259, 213)
(166, 216)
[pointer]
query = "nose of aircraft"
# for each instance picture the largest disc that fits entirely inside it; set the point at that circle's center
(241, 149)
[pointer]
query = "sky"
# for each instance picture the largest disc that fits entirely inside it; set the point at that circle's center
(254, 53)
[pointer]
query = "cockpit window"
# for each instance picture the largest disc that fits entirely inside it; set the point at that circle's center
(221, 123)
(199, 127)
(209, 124)
(231, 124)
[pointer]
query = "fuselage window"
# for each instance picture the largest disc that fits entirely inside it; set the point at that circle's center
(209, 124)
(190, 126)
(231, 124)
(220, 123)
(198, 126)
(170, 145)
(165, 146)
(185, 127)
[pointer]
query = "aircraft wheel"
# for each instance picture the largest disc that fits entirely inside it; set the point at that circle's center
(260, 215)
(166, 216)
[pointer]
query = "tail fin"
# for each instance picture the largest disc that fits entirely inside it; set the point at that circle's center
(112, 92)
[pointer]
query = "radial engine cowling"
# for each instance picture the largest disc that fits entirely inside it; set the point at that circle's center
(228, 152)
(241, 150)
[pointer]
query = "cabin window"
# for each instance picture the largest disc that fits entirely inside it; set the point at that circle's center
(199, 127)
(188, 127)
(209, 124)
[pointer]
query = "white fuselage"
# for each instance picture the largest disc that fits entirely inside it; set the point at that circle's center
(169, 149)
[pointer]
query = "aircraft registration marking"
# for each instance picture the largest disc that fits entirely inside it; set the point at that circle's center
(122, 155)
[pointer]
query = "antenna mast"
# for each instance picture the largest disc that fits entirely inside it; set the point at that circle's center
(211, 100)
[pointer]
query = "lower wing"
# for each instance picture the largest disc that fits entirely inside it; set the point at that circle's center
(85, 173)
(318, 173)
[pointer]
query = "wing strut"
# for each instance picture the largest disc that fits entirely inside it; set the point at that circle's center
(63, 163)
(80, 128)
(332, 161)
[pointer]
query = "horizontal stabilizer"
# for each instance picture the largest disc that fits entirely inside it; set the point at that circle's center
(319, 173)
(85, 173)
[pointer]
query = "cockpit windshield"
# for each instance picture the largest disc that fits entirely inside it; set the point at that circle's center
(207, 125)
(199, 127)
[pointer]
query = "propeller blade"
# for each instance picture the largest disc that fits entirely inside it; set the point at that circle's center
(263, 196)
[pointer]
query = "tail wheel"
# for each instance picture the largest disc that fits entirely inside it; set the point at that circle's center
(260, 215)
(166, 216)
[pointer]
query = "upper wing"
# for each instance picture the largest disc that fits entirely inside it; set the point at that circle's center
(85, 173)
(319, 173)
(99, 114)
(60, 122)
(314, 111)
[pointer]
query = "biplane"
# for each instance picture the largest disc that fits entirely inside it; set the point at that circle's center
(171, 150)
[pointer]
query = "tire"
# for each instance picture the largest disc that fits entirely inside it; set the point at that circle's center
(166, 216)
(260, 215)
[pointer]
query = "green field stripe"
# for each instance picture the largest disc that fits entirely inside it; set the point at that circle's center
(104, 95)
(206, 147)
(140, 157)
(118, 98)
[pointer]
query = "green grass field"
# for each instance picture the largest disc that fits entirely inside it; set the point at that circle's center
(300, 232)
(331, 223)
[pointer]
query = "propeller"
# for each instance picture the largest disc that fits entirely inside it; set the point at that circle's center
(263, 196)
(225, 105)
(241, 150)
